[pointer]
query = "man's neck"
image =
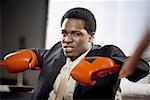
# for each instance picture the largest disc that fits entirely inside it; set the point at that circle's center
(74, 58)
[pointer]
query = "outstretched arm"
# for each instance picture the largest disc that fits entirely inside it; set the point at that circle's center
(129, 66)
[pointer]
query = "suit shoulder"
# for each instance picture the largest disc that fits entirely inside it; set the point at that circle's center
(110, 47)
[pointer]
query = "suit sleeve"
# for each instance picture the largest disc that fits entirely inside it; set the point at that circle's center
(142, 67)
(44, 53)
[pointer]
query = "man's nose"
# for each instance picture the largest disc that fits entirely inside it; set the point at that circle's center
(68, 38)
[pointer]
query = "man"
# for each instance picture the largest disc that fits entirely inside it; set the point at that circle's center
(78, 29)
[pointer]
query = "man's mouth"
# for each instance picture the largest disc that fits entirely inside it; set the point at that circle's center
(68, 49)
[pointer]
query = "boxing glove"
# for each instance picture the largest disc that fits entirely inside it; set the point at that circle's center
(89, 69)
(20, 61)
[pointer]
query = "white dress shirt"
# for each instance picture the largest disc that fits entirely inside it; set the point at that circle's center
(65, 91)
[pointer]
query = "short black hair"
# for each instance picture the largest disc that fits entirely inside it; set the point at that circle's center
(84, 14)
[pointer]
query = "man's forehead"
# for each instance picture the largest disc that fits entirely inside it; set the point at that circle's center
(73, 23)
(73, 20)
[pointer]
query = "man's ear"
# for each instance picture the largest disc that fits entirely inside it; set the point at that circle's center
(91, 36)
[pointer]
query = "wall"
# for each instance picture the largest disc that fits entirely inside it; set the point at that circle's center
(23, 26)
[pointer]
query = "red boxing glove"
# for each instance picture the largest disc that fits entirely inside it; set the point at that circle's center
(90, 68)
(20, 61)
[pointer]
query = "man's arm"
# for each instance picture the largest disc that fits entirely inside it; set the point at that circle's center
(138, 71)
(46, 53)
(130, 62)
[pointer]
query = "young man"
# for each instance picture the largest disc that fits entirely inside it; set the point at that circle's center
(78, 29)
(55, 82)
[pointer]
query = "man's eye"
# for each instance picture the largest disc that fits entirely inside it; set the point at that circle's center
(64, 34)
(77, 33)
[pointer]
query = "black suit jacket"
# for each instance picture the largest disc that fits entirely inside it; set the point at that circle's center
(51, 61)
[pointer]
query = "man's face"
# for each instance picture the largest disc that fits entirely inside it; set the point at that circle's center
(75, 39)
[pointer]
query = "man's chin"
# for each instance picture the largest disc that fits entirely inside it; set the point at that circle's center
(72, 56)
(69, 55)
